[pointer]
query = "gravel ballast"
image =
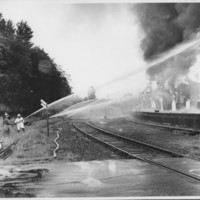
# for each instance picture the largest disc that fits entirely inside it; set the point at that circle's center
(181, 142)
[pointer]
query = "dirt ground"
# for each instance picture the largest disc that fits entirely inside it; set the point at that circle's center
(35, 144)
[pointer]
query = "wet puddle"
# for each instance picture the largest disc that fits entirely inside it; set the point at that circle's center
(112, 178)
(195, 172)
(13, 179)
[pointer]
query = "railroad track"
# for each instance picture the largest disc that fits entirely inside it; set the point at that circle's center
(178, 128)
(5, 153)
(130, 148)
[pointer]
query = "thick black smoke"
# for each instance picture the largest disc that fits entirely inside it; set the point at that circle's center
(166, 24)
(160, 27)
(188, 18)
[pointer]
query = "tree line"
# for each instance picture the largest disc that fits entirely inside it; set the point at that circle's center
(27, 72)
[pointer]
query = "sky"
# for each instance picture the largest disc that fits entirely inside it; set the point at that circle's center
(94, 43)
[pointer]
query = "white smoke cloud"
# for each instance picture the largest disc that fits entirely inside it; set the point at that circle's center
(94, 43)
(104, 45)
(194, 71)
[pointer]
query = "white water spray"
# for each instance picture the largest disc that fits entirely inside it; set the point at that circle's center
(68, 101)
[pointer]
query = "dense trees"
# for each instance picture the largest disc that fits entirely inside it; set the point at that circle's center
(27, 73)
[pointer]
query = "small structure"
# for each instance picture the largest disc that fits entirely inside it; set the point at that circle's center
(161, 103)
(173, 105)
(188, 104)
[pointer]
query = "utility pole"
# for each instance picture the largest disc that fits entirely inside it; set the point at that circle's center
(45, 105)
(106, 109)
(105, 117)
(32, 100)
(47, 110)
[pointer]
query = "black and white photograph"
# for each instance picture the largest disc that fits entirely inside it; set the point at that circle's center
(99, 99)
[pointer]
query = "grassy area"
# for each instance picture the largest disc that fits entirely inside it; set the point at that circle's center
(33, 143)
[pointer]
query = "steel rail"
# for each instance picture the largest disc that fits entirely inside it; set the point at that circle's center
(7, 151)
(136, 141)
(130, 155)
(167, 126)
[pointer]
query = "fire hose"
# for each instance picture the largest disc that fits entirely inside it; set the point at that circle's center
(55, 141)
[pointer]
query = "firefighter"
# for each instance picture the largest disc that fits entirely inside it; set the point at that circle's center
(6, 123)
(20, 123)
(6, 115)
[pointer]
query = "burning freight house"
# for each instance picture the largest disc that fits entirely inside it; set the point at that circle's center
(180, 97)
(164, 27)
(174, 85)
